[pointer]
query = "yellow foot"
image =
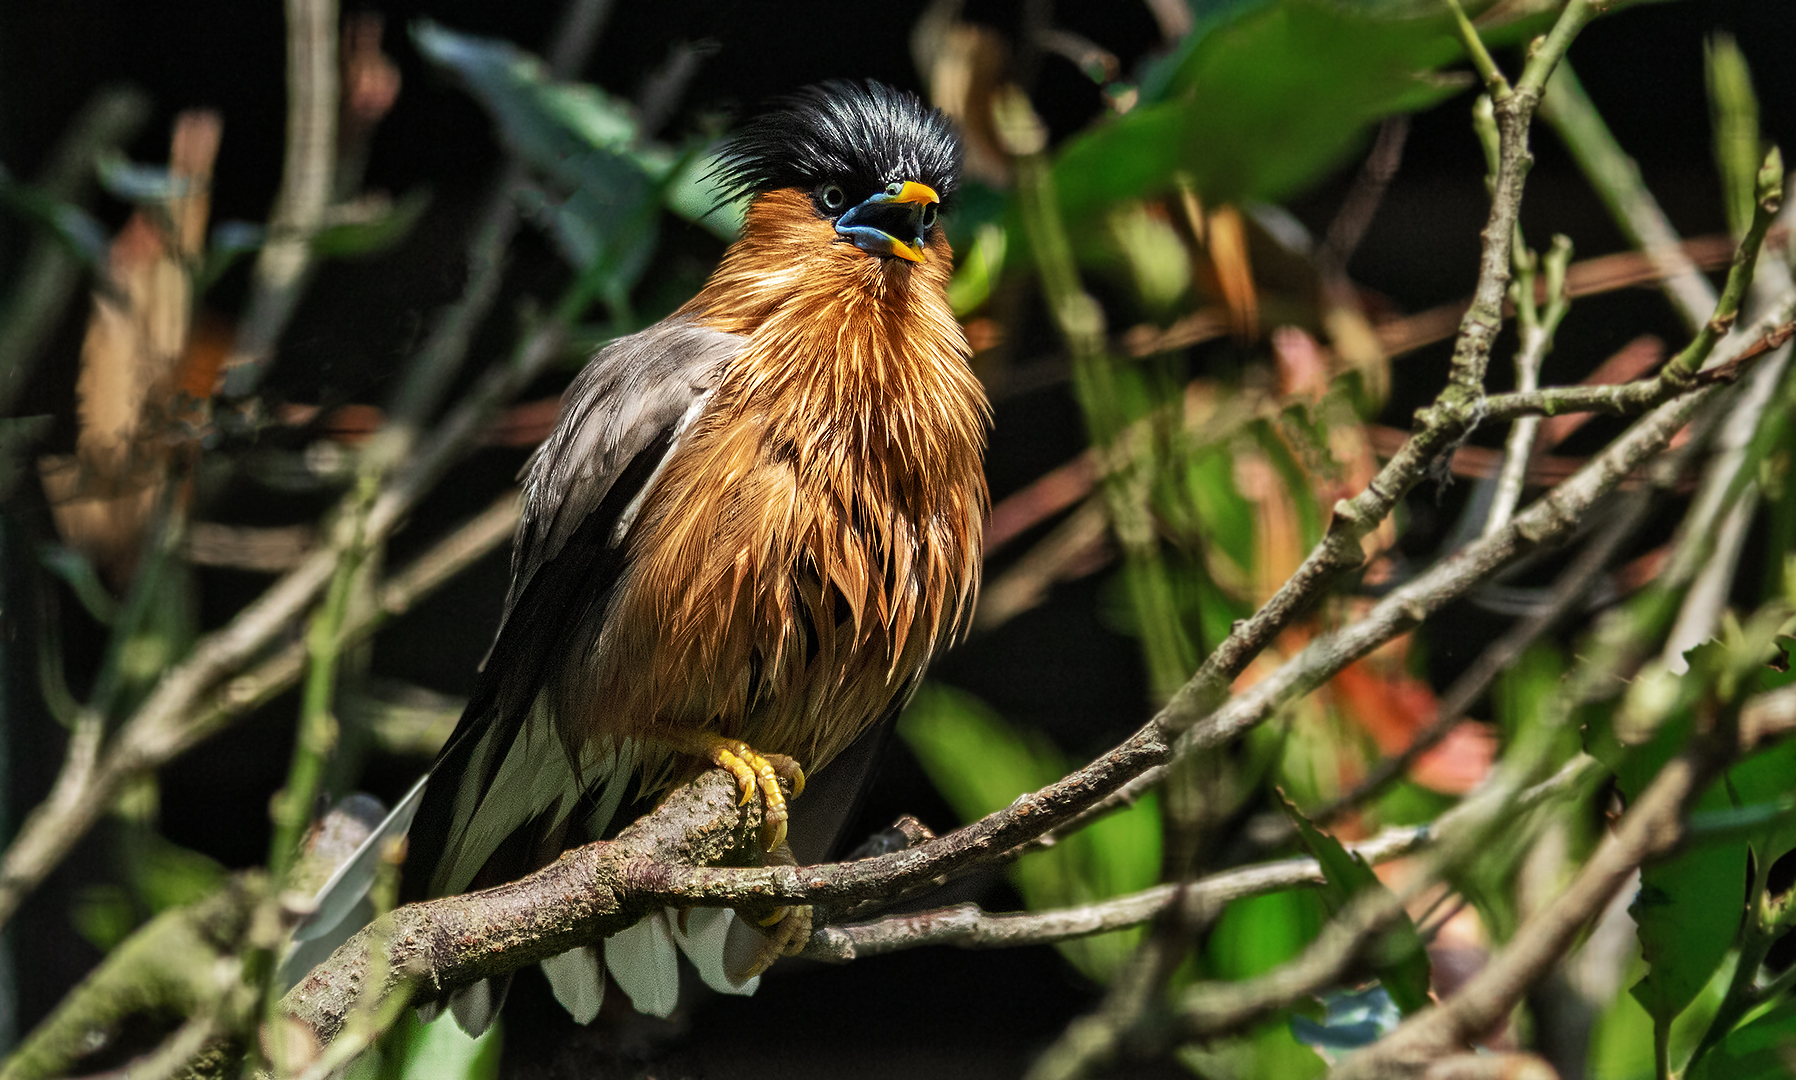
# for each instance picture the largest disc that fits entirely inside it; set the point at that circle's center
(786, 930)
(754, 770)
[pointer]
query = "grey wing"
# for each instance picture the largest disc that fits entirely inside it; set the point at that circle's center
(637, 392)
(501, 784)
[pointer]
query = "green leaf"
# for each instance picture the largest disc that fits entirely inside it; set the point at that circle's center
(74, 228)
(1260, 106)
(1758, 1050)
(1258, 933)
(1763, 782)
(1687, 914)
(1690, 907)
(104, 915)
(411, 1050)
(603, 194)
(167, 875)
(1401, 961)
(379, 232)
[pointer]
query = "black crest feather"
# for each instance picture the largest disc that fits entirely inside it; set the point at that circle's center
(861, 135)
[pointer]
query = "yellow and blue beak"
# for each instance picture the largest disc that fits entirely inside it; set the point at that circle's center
(896, 221)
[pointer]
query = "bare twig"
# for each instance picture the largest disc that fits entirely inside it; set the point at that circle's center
(1713, 532)
(968, 927)
(598, 889)
(306, 180)
(1572, 586)
(1459, 406)
(1537, 328)
(1548, 521)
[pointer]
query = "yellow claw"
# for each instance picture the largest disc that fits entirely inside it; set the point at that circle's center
(754, 770)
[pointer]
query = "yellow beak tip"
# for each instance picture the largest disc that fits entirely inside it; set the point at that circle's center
(907, 252)
(915, 192)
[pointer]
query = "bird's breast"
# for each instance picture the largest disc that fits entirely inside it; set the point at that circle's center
(813, 540)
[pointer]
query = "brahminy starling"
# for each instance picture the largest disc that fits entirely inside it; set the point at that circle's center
(753, 525)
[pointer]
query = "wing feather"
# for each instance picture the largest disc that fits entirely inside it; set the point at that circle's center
(621, 420)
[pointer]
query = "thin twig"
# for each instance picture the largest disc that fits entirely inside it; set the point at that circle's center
(1537, 329)
(1494, 81)
(1567, 592)
(595, 890)
(1459, 406)
(1549, 521)
(968, 927)
(306, 179)
(1729, 488)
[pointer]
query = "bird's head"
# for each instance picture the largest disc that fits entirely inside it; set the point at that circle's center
(872, 162)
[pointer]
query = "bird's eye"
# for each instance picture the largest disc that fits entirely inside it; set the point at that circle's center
(894, 188)
(929, 216)
(832, 197)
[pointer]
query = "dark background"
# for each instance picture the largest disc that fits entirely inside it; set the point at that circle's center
(1060, 666)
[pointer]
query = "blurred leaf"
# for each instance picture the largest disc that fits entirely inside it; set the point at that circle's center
(1401, 962)
(437, 1051)
(602, 205)
(693, 192)
(1406, 802)
(1354, 1018)
(1158, 264)
(1758, 1050)
(1734, 111)
(135, 183)
(78, 573)
(1257, 934)
(76, 229)
(384, 229)
(168, 875)
(1260, 106)
(981, 764)
(1224, 517)
(1621, 1043)
(104, 915)
(162, 875)
(1269, 1052)
(976, 271)
(1525, 686)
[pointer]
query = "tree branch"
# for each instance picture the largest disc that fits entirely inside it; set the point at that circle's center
(599, 889)
(969, 927)
(589, 893)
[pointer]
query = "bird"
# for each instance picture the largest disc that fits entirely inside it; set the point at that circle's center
(752, 526)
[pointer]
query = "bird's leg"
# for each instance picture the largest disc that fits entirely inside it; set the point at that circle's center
(752, 769)
(787, 928)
